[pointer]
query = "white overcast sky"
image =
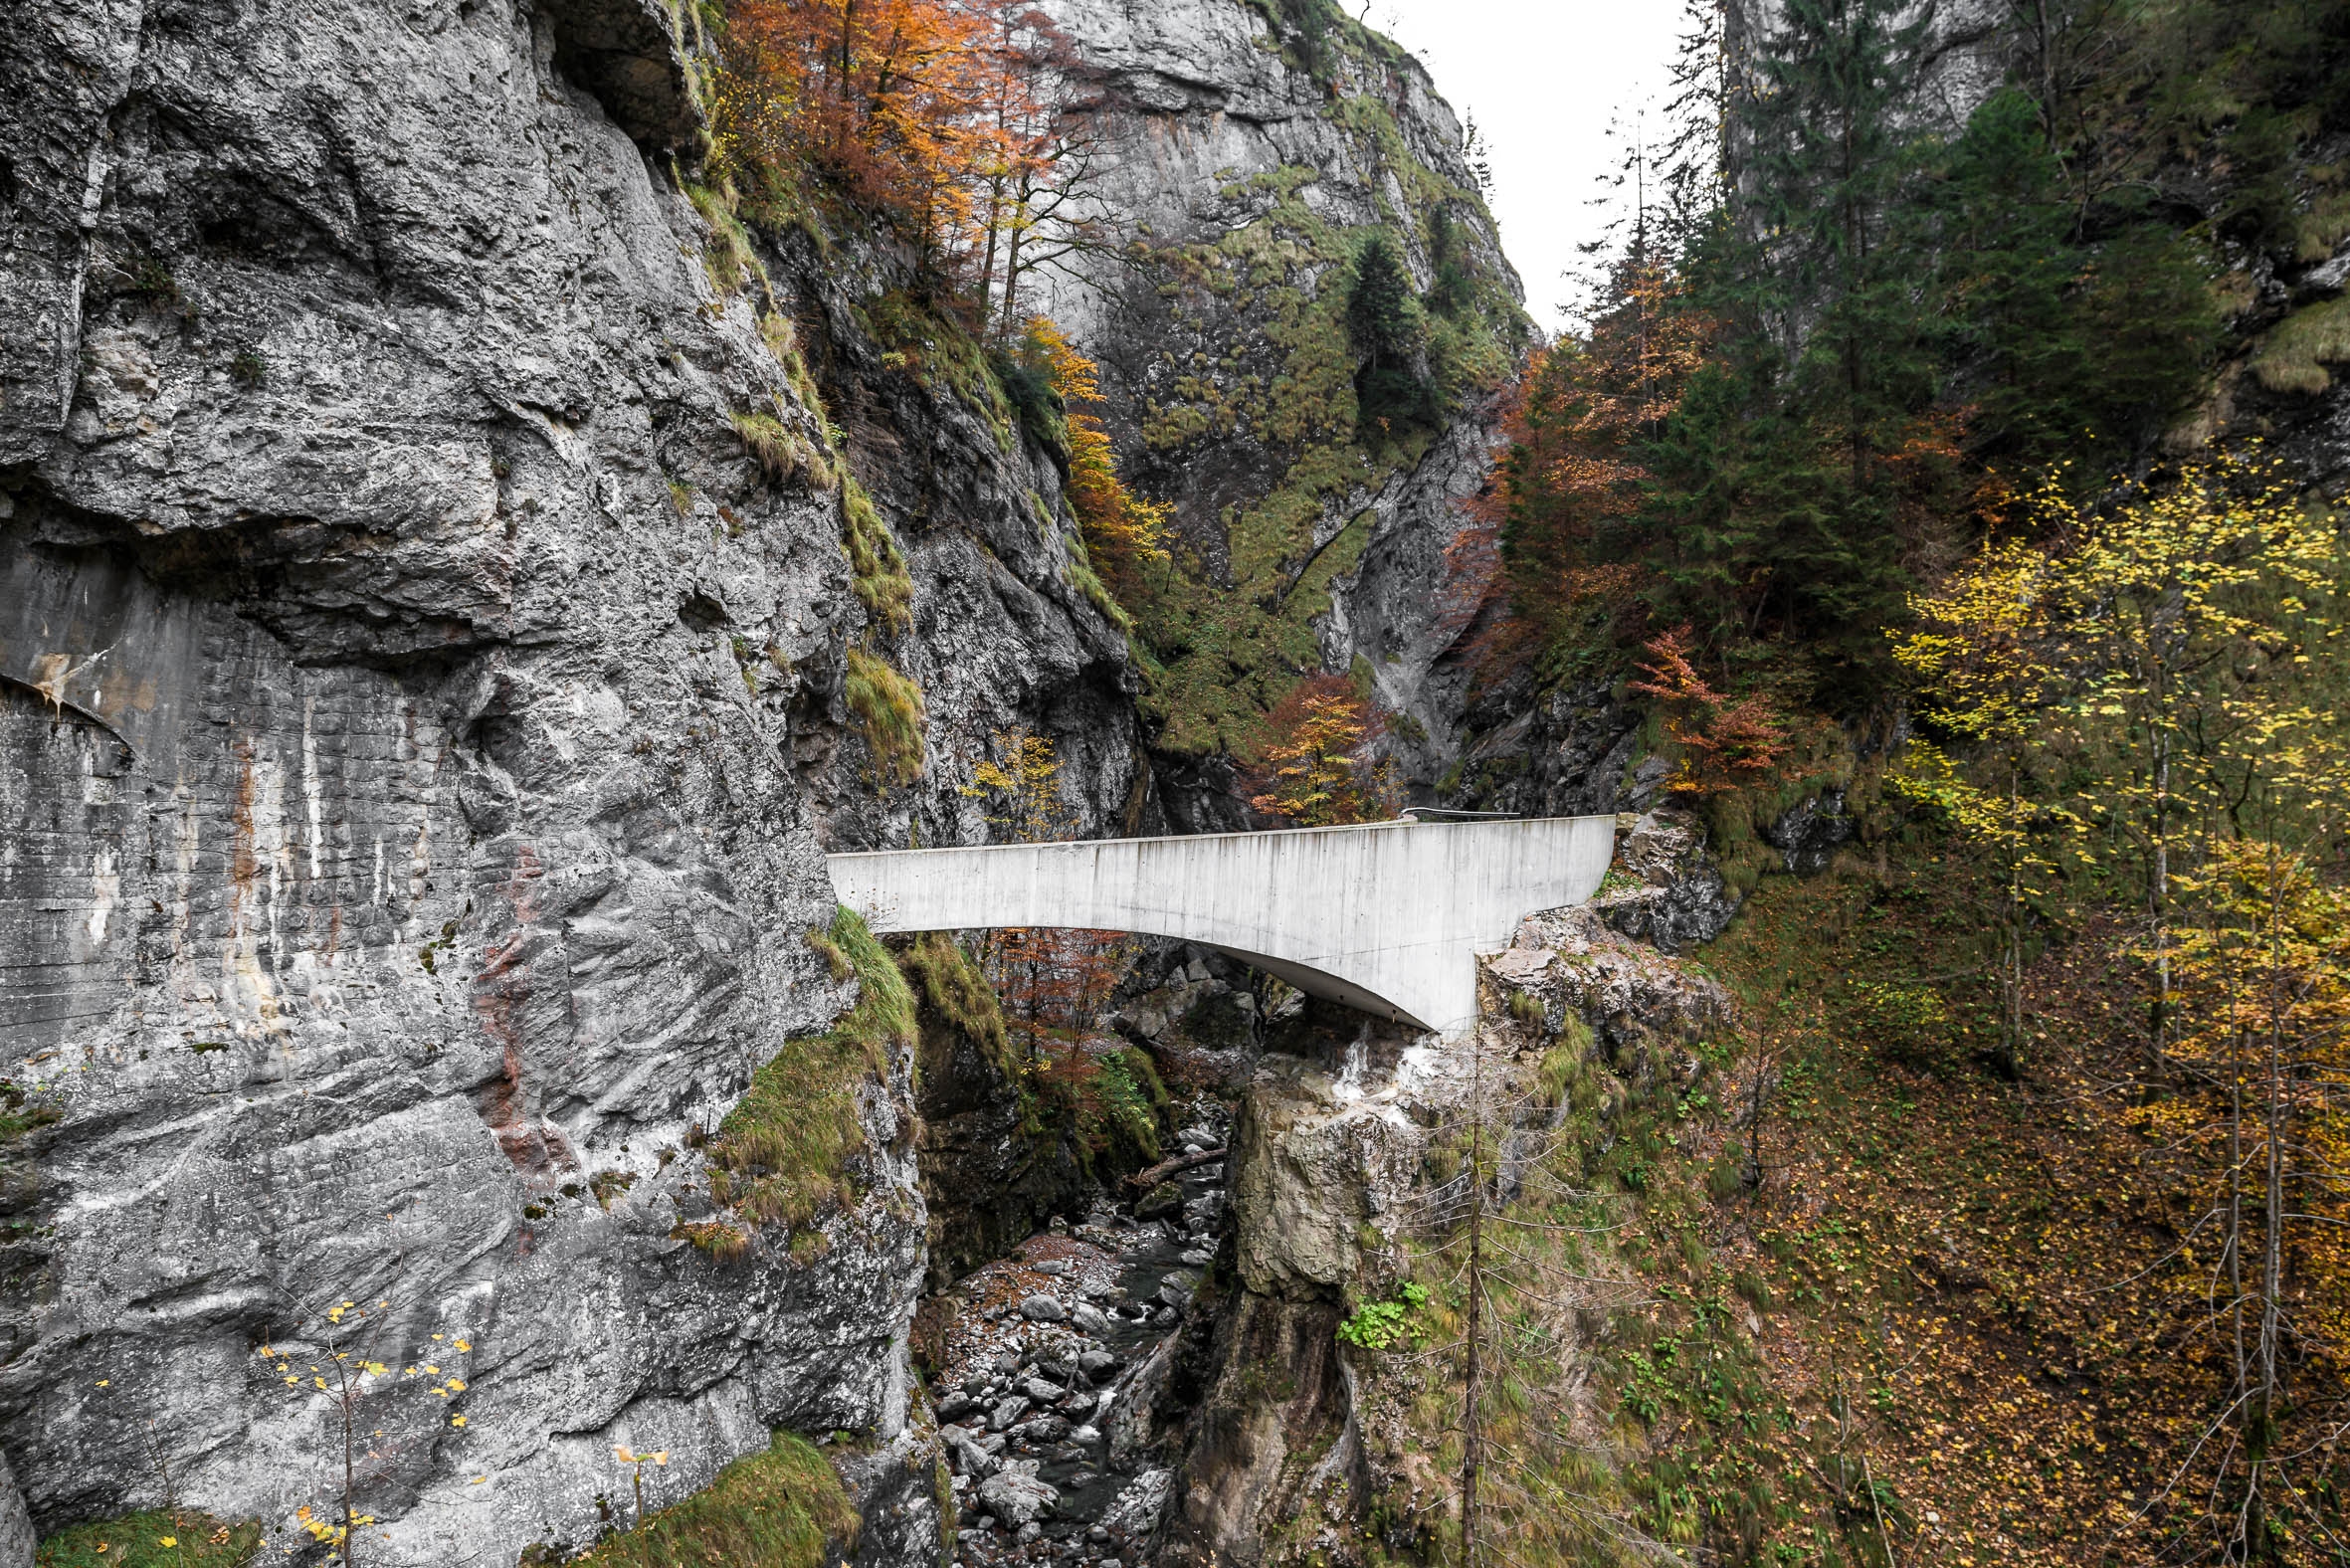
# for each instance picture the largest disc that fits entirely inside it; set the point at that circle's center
(1543, 78)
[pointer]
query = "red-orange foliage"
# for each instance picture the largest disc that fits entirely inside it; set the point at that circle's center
(1319, 769)
(961, 123)
(1571, 426)
(1123, 532)
(1056, 981)
(1586, 406)
(897, 102)
(1724, 743)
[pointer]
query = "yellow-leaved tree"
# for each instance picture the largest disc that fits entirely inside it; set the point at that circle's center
(1979, 654)
(2158, 697)
(2175, 605)
(1320, 769)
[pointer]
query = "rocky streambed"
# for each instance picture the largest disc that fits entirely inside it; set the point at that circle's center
(1055, 1360)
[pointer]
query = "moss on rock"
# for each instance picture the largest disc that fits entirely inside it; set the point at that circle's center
(785, 1151)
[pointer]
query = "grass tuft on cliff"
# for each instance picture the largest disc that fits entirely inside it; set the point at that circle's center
(777, 1509)
(137, 1540)
(877, 567)
(782, 454)
(783, 1151)
(953, 989)
(888, 709)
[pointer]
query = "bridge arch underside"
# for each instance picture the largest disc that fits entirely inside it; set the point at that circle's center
(1329, 986)
(1387, 918)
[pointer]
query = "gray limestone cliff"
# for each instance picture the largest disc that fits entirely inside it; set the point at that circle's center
(422, 718)
(432, 666)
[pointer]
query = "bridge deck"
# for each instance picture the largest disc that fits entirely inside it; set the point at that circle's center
(1386, 917)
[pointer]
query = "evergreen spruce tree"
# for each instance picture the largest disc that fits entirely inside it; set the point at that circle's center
(1791, 484)
(2062, 346)
(1390, 333)
(1450, 292)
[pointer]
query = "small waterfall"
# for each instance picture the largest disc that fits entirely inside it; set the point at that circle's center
(1356, 1063)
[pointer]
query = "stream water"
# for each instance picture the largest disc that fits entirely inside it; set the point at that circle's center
(1055, 1356)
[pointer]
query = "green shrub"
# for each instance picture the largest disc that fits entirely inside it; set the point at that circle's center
(1109, 1103)
(1381, 1325)
(2295, 353)
(1079, 574)
(727, 254)
(20, 1113)
(952, 988)
(1028, 387)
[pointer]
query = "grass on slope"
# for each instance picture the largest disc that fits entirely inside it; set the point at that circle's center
(158, 1539)
(777, 1509)
(783, 1152)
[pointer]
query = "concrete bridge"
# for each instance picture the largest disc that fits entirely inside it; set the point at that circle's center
(1387, 917)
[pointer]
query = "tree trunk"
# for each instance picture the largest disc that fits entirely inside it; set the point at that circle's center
(349, 1479)
(1012, 237)
(2236, 1213)
(843, 91)
(2159, 902)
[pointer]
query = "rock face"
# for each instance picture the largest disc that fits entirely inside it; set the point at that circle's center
(991, 1178)
(1298, 1440)
(1310, 1168)
(421, 721)
(1575, 965)
(1564, 752)
(1243, 165)
(1669, 891)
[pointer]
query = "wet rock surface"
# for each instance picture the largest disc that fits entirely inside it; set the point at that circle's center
(1808, 833)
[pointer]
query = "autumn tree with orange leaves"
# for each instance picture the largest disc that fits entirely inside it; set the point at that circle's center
(891, 101)
(1124, 535)
(1546, 535)
(1320, 769)
(1725, 743)
(1036, 208)
(960, 122)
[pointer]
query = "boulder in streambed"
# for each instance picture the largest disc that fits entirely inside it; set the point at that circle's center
(1017, 1496)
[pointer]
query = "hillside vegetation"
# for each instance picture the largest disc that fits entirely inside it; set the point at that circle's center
(1979, 477)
